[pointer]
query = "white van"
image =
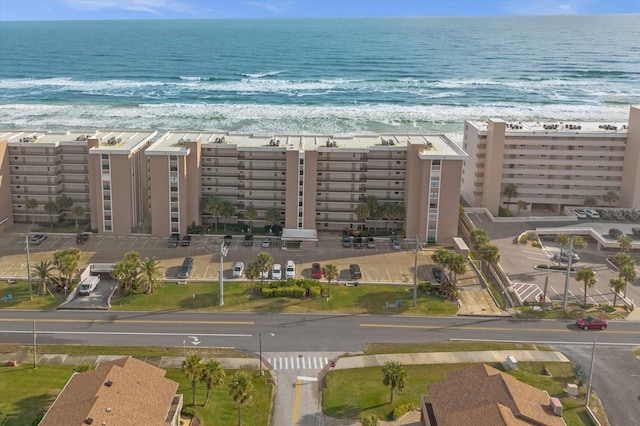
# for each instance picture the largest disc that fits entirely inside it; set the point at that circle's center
(290, 270)
(88, 285)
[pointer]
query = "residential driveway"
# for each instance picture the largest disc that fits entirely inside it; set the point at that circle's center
(98, 299)
(519, 261)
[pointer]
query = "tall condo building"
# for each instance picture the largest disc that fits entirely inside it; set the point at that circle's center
(552, 164)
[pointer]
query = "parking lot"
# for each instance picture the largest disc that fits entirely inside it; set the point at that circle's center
(382, 264)
(519, 261)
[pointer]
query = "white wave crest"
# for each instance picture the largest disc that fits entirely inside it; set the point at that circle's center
(261, 75)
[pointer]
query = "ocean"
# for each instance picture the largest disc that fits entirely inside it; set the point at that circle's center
(327, 76)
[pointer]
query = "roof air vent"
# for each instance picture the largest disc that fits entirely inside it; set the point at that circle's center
(108, 383)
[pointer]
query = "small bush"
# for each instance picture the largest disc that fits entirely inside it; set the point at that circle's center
(81, 368)
(403, 409)
(523, 238)
(188, 411)
(370, 420)
(536, 244)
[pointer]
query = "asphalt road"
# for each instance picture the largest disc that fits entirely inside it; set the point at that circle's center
(306, 340)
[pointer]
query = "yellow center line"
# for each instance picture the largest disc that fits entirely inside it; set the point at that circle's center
(296, 403)
(462, 327)
(124, 321)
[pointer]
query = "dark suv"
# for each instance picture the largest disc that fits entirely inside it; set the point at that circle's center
(437, 273)
(356, 272)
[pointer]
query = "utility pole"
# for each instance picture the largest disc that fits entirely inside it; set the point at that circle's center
(223, 253)
(415, 274)
(566, 280)
(34, 344)
(593, 360)
(28, 267)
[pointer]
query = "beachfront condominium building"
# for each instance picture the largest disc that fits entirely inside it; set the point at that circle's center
(307, 183)
(551, 164)
(104, 173)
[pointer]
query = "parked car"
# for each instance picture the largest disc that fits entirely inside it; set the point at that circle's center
(37, 239)
(290, 270)
(346, 241)
(564, 257)
(238, 269)
(266, 243)
(580, 214)
(371, 242)
(615, 233)
(395, 243)
(437, 273)
(173, 240)
(358, 242)
(88, 285)
(356, 272)
(592, 214)
(227, 239)
(276, 272)
(185, 269)
(592, 322)
(186, 240)
(81, 238)
(316, 271)
(248, 240)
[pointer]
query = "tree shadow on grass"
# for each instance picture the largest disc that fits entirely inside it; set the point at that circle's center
(31, 409)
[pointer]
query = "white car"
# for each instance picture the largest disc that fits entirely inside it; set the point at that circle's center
(238, 269)
(580, 214)
(290, 270)
(266, 243)
(264, 275)
(592, 214)
(276, 272)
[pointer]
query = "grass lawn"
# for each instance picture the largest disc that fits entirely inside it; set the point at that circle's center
(136, 351)
(27, 393)
(573, 312)
(221, 410)
(353, 393)
(19, 293)
(237, 298)
(407, 348)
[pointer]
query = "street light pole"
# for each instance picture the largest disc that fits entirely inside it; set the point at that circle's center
(566, 280)
(223, 253)
(415, 275)
(593, 360)
(28, 267)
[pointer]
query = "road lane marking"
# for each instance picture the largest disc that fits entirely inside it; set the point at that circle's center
(118, 333)
(126, 321)
(464, 327)
(544, 342)
(296, 403)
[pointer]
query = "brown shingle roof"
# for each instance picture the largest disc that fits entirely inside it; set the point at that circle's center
(139, 394)
(482, 395)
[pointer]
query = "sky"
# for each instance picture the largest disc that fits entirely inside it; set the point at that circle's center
(38, 10)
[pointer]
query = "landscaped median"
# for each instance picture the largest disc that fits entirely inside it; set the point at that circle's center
(356, 392)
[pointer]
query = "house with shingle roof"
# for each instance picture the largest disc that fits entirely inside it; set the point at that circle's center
(481, 395)
(121, 392)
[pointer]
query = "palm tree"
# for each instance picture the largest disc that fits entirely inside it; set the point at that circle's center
(610, 197)
(588, 277)
(252, 272)
(77, 212)
(264, 262)
(240, 390)
(272, 216)
(150, 274)
(67, 261)
(32, 205)
(43, 271)
(395, 212)
(330, 272)
(490, 254)
(362, 213)
(64, 204)
(192, 368)
(522, 205)
(457, 265)
(126, 271)
(212, 375)
(590, 202)
(564, 240)
(251, 213)
(479, 237)
(510, 191)
(626, 244)
(617, 285)
(395, 376)
(374, 210)
(441, 257)
(51, 208)
(227, 210)
(211, 205)
(628, 274)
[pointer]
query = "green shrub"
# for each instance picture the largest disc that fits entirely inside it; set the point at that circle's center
(523, 238)
(188, 411)
(536, 244)
(403, 409)
(3, 419)
(315, 291)
(370, 420)
(81, 368)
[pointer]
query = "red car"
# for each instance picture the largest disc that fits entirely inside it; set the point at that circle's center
(592, 322)
(316, 271)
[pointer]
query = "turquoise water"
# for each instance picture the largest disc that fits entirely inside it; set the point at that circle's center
(317, 75)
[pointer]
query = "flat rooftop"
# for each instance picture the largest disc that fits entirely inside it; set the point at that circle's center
(573, 127)
(111, 140)
(173, 142)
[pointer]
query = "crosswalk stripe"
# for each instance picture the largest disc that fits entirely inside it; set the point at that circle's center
(299, 363)
(326, 361)
(314, 363)
(303, 364)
